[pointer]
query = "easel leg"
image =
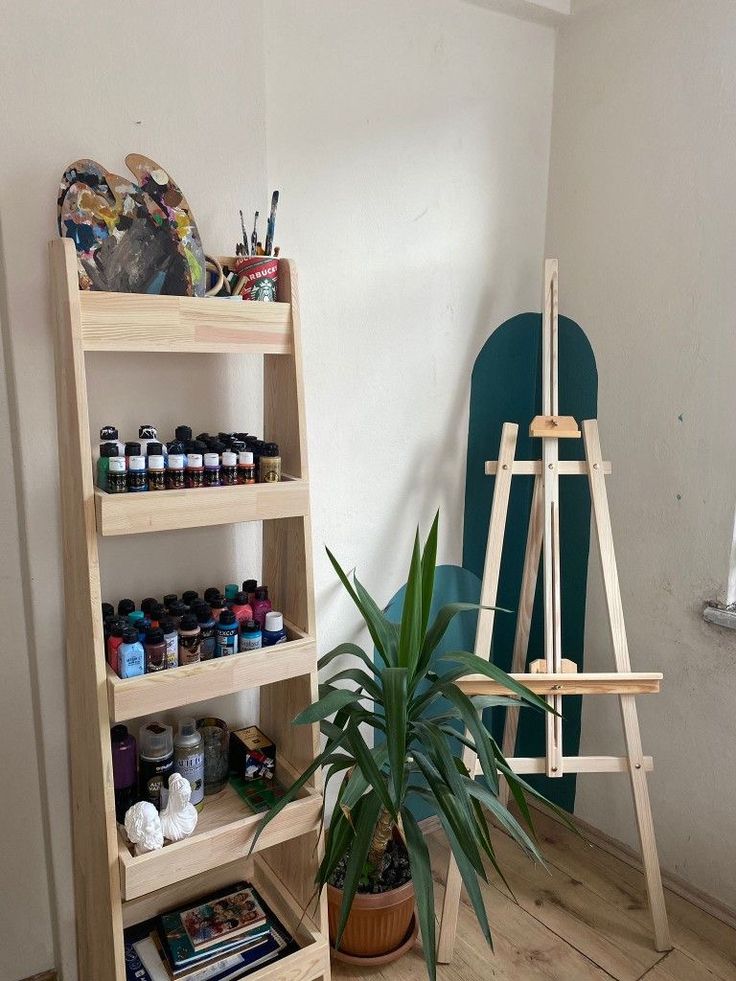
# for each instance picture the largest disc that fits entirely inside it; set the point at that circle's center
(524, 618)
(645, 823)
(650, 860)
(483, 636)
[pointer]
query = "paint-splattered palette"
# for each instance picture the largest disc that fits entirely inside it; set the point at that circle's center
(131, 237)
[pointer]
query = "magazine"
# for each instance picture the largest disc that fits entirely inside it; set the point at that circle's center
(222, 919)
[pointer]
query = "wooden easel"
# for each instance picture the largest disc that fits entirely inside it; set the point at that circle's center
(554, 676)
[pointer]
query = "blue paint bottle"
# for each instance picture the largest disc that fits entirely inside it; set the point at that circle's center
(226, 634)
(251, 638)
(131, 654)
(273, 631)
(208, 627)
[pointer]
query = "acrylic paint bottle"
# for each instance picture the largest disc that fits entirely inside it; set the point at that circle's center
(148, 435)
(125, 606)
(211, 593)
(113, 644)
(242, 608)
(110, 434)
(226, 634)
(108, 614)
(175, 472)
(194, 476)
(251, 638)
(107, 451)
(189, 758)
(137, 474)
(170, 598)
(132, 449)
(190, 639)
(190, 597)
(249, 588)
(207, 625)
(212, 470)
(177, 610)
(148, 605)
(171, 640)
(155, 648)
(130, 654)
(138, 620)
(246, 468)
(156, 762)
(261, 605)
(124, 770)
(269, 465)
(229, 469)
(183, 434)
(117, 475)
(231, 591)
(218, 604)
(273, 632)
(156, 468)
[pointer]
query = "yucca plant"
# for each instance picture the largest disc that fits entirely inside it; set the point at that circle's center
(414, 755)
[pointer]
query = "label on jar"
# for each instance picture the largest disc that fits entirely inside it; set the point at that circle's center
(270, 469)
(172, 650)
(191, 766)
(190, 647)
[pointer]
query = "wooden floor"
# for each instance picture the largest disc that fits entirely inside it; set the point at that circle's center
(585, 919)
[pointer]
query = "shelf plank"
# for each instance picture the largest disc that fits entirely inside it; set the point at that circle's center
(149, 694)
(132, 514)
(183, 324)
(609, 683)
(225, 832)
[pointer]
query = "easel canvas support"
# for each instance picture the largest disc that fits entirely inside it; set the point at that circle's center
(555, 676)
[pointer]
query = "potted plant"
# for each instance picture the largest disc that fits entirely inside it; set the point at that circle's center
(413, 756)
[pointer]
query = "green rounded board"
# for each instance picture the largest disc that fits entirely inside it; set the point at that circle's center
(506, 387)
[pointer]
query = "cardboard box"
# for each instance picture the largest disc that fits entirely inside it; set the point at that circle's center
(252, 754)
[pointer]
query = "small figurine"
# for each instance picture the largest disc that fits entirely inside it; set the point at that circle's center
(143, 827)
(179, 817)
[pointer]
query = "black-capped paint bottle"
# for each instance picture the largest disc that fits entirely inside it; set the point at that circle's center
(107, 452)
(249, 588)
(125, 606)
(132, 449)
(170, 598)
(156, 467)
(190, 597)
(110, 434)
(226, 634)
(177, 610)
(183, 434)
(124, 770)
(148, 435)
(171, 640)
(155, 648)
(251, 638)
(156, 762)
(190, 640)
(207, 625)
(137, 474)
(130, 654)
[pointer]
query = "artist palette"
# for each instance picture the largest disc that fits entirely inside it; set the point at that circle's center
(131, 237)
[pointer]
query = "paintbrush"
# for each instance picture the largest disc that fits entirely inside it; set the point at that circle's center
(245, 234)
(254, 236)
(271, 227)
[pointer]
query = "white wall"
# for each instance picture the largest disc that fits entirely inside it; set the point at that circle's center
(641, 215)
(410, 143)
(186, 87)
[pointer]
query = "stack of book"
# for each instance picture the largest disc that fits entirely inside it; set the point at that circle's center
(224, 937)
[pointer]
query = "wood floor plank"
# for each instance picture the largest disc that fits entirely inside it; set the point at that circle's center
(678, 966)
(591, 924)
(703, 937)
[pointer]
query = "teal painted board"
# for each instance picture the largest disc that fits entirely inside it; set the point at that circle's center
(452, 585)
(506, 387)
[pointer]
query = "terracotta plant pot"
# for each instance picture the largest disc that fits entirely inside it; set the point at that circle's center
(378, 922)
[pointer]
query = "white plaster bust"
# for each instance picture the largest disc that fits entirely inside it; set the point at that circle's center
(143, 827)
(179, 817)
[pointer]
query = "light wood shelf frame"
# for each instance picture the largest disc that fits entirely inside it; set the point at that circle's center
(113, 888)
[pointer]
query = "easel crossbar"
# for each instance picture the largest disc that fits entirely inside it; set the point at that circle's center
(531, 468)
(585, 683)
(576, 764)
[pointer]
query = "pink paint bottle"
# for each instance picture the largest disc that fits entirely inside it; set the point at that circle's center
(241, 608)
(261, 605)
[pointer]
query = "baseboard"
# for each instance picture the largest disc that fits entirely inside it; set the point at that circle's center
(680, 887)
(631, 857)
(43, 976)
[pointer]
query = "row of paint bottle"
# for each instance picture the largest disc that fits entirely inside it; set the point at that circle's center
(147, 464)
(143, 774)
(163, 635)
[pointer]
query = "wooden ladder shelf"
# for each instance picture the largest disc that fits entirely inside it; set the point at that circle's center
(554, 676)
(114, 888)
